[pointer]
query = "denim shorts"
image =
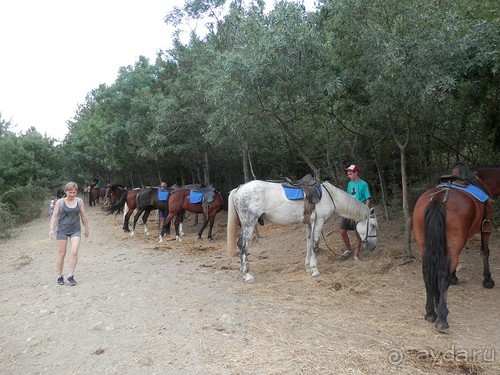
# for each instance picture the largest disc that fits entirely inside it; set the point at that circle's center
(65, 235)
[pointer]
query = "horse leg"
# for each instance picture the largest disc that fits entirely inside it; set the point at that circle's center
(136, 217)
(210, 228)
(126, 221)
(177, 235)
(442, 310)
(307, 262)
(179, 218)
(145, 220)
(430, 313)
(166, 226)
(485, 254)
(453, 278)
(316, 228)
(243, 240)
(205, 223)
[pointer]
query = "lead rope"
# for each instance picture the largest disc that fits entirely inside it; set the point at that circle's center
(322, 233)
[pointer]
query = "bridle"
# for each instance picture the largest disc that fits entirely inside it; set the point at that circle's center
(367, 235)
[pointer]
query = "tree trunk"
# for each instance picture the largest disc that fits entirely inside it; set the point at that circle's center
(407, 256)
(244, 160)
(206, 169)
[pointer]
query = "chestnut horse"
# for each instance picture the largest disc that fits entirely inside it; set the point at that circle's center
(114, 193)
(95, 193)
(444, 218)
(179, 202)
(128, 198)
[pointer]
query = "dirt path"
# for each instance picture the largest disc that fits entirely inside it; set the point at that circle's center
(141, 307)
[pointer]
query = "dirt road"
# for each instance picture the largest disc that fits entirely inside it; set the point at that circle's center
(141, 307)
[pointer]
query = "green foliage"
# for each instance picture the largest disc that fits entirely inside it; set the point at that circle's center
(287, 93)
(8, 220)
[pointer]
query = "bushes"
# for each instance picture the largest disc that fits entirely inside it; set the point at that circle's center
(7, 220)
(20, 205)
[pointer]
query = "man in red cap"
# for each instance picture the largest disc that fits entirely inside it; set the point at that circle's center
(360, 190)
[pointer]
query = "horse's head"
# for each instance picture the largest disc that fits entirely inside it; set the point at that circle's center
(367, 230)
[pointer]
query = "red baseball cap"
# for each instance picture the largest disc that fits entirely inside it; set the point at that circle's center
(352, 168)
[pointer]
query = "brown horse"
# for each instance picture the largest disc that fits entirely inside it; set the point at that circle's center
(128, 198)
(179, 202)
(146, 200)
(60, 193)
(444, 218)
(95, 193)
(113, 194)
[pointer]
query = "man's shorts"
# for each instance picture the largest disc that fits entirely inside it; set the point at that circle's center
(347, 224)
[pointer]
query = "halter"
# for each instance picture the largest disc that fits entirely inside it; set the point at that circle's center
(367, 226)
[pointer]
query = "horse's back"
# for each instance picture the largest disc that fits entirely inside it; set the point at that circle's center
(256, 198)
(464, 215)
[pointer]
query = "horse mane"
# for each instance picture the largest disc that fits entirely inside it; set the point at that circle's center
(346, 205)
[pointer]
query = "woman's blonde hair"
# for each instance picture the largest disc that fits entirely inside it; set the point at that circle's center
(71, 185)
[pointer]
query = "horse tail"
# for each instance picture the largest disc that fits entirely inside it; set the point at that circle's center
(435, 266)
(120, 204)
(232, 225)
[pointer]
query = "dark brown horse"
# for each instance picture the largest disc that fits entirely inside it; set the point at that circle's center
(60, 192)
(444, 218)
(95, 194)
(128, 198)
(114, 193)
(179, 202)
(149, 199)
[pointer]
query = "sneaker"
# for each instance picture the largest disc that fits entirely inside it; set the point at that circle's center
(60, 280)
(71, 280)
(346, 254)
(356, 259)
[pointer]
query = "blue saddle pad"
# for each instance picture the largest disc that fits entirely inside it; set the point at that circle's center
(293, 194)
(195, 196)
(476, 192)
(163, 195)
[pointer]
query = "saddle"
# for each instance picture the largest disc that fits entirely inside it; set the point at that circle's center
(208, 195)
(207, 191)
(312, 192)
(309, 185)
(461, 176)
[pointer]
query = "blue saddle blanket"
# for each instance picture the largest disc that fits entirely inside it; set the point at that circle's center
(195, 196)
(293, 194)
(163, 195)
(476, 192)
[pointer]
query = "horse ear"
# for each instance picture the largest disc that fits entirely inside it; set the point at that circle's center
(372, 211)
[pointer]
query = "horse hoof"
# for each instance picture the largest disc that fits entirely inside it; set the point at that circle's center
(178, 239)
(315, 273)
(249, 279)
(453, 280)
(442, 326)
(160, 240)
(431, 317)
(488, 284)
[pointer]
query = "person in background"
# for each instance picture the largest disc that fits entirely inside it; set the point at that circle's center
(360, 190)
(65, 224)
(163, 213)
(51, 207)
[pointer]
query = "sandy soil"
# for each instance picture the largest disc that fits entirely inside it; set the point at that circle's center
(141, 307)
